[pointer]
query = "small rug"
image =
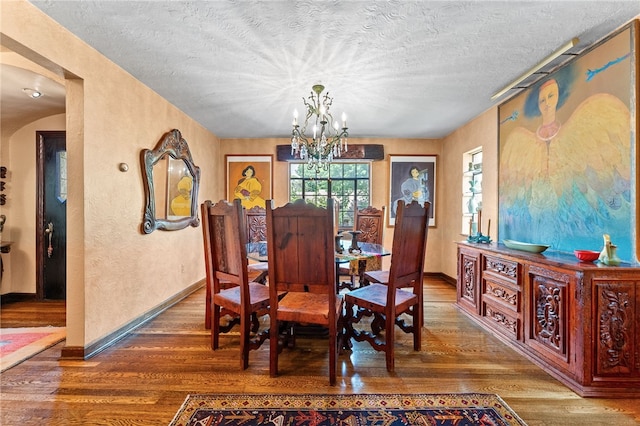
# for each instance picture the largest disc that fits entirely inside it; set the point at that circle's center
(353, 410)
(19, 344)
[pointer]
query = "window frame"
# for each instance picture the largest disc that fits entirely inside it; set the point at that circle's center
(359, 197)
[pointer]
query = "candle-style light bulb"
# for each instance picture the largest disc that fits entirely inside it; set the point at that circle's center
(344, 120)
(295, 117)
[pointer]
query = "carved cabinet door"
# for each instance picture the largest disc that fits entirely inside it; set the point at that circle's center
(468, 293)
(548, 316)
(616, 333)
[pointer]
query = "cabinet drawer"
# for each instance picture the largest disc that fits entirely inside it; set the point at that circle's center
(502, 320)
(501, 269)
(502, 294)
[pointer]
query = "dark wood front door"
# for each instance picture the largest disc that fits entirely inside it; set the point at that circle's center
(51, 221)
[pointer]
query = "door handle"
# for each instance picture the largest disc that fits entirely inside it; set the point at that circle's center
(49, 231)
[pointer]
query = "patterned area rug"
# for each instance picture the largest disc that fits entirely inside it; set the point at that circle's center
(19, 344)
(348, 410)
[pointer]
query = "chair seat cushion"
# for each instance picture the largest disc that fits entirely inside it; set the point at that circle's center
(375, 295)
(311, 308)
(230, 298)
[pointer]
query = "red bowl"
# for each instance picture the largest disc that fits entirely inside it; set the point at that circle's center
(586, 255)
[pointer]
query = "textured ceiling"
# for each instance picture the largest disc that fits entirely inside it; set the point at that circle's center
(397, 68)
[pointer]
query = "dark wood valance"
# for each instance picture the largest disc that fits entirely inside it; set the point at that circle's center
(354, 152)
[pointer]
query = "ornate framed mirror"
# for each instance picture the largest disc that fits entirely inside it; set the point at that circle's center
(171, 185)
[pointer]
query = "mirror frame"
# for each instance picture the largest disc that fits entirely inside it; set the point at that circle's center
(174, 145)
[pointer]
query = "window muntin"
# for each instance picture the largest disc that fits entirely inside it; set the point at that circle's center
(349, 183)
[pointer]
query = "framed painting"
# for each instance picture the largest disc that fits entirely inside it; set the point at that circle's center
(249, 178)
(412, 178)
(566, 153)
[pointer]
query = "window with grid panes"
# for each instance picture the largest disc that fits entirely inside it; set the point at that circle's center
(349, 183)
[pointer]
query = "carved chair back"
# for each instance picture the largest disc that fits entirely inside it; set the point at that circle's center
(370, 221)
(256, 224)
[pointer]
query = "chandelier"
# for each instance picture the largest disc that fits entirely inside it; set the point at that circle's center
(329, 140)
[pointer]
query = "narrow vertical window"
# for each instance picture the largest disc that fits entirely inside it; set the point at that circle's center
(61, 171)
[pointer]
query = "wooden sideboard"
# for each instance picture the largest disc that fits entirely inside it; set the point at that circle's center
(578, 321)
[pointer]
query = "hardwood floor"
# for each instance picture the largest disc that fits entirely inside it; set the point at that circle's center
(144, 378)
(33, 314)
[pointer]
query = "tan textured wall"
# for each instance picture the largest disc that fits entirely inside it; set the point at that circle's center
(379, 179)
(480, 132)
(115, 273)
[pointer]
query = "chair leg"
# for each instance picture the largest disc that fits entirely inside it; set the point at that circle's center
(255, 322)
(245, 327)
(273, 344)
(333, 355)
(377, 323)
(389, 337)
(207, 307)
(344, 342)
(215, 325)
(348, 325)
(417, 327)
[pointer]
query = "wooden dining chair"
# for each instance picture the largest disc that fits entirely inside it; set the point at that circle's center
(255, 220)
(228, 287)
(397, 291)
(370, 222)
(300, 243)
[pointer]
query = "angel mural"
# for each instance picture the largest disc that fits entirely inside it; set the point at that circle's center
(565, 162)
